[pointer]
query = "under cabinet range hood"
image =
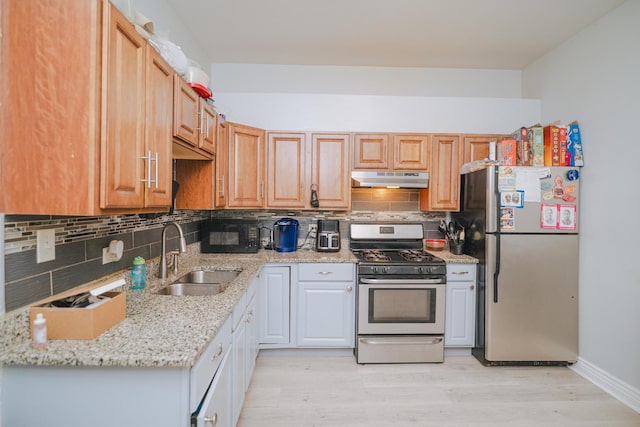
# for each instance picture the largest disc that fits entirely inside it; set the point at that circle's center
(390, 179)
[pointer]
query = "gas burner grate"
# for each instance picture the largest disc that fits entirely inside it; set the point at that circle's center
(375, 255)
(416, 255)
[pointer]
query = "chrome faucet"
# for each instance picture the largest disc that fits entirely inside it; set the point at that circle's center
(163, 256)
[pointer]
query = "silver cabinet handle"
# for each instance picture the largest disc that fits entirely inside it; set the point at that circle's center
(148, 178)
(221, 190)
(324, 273)
(349, 289)
(200, 122)
(213, 420)
(218, 353)
(156, 180)
(460, 272)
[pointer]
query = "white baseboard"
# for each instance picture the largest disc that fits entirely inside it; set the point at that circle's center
(617, 388)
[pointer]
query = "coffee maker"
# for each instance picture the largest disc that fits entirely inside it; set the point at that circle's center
(328, 235)
(285, 232)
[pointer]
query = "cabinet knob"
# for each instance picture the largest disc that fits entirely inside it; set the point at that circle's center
(218, 353)
(472, 287)
(213, 420)
(349, 289)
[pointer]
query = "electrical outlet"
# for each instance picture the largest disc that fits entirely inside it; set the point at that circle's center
(45, 245)
(313, 228)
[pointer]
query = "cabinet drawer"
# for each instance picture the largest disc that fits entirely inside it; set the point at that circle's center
(205, 368)
(326, 272)
(461, 272)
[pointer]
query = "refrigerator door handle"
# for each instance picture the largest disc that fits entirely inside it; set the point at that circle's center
(496, 272)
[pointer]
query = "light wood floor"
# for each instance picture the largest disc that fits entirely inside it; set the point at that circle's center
(321, 391)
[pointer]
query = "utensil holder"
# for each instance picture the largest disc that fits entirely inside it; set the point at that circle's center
(456, 248)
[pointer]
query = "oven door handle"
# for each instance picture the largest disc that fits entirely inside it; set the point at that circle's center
(402, 281)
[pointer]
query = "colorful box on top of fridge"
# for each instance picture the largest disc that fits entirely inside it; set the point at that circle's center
(507, 152)
(537, 145)
(552, 146)
(574, 145)
(563, 146)
(524, 150)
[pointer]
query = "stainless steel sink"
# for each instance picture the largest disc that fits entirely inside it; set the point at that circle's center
(214, 276)
(200, 282)
(191, 289)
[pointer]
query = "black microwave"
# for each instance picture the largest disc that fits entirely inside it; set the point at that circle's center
(229, 235)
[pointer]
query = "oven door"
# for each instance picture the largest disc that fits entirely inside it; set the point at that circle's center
(397, 306)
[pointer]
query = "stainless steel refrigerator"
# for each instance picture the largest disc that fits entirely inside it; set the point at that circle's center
(522, 224)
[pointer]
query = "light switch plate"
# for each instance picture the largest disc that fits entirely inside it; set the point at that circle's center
(45, 245)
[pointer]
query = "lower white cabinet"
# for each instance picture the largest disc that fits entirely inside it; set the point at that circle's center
(216, 406)
(244, 348)
(460, 306)
(325, 305)
(274, 312)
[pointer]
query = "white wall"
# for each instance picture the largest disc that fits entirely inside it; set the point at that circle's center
(438, 82)
(166, 24)
(595, 77)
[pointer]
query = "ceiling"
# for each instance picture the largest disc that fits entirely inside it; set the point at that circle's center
(488, 34)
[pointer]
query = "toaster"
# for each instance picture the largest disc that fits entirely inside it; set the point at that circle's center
(328, 235)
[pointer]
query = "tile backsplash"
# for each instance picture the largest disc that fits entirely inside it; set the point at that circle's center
(79, 240)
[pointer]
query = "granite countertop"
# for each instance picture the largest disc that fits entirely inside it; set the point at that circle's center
(159, 330)
(450, 258)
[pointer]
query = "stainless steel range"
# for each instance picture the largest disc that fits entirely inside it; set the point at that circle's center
(401, 295)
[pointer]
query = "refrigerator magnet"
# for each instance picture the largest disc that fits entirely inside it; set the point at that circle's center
(567, 218)
(548, 215)
(507, 219)
(514, 199)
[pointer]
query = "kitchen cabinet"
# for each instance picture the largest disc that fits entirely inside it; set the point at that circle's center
(298, 162)
(194, 123)
(274, 307)
(216, 405)
(476, 147)
(460, 305)
(86, 132)
(391, 152)
(244, 347)
(326, 305)
(330, 170)
(444, 176)
(203, 182)
(287, 167)
(246, 167)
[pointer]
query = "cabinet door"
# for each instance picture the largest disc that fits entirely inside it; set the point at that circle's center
(252, 340)
(274, 305)
(330, 171)
(411, 152)
(476, 147)
(326, 314)
(222, 164)
(208, 126)
(371, 151)
(286, 170)
(159, 113)
(186, 113)
(216, 407)
(460, 305)
(444, 178)
(239, 348)
(246, 166)
(124, 117)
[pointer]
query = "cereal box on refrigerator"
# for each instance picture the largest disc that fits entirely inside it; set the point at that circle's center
(507, 152)
(552, 146)
(524, 151)
(574, 145)
(537, 145)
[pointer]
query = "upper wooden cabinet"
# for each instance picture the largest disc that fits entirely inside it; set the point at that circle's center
(476, 147)
(74, 145)
(299, 162)
(330, 171)
(444, 176)
(246, 184)
(194, 123)
(411, 152)
(391, 151)
(287, 166)
(371, 151)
